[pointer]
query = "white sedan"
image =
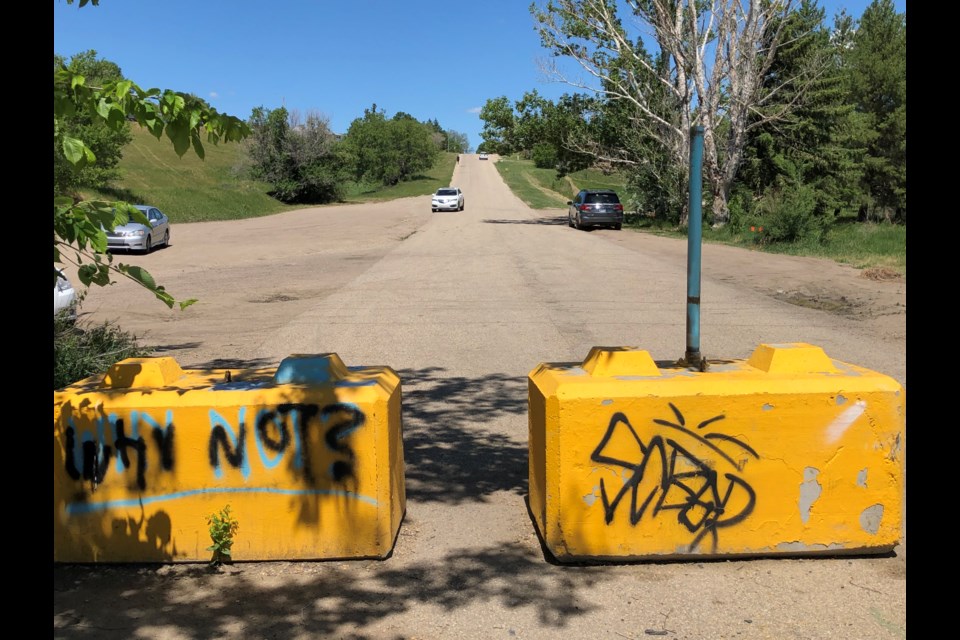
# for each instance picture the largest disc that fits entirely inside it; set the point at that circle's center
(64, 296)
(447, 199)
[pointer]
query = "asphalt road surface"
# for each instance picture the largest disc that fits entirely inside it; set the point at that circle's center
(464, 305)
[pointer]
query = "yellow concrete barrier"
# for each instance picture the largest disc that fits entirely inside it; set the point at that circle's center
(788, 452)
(308, 456)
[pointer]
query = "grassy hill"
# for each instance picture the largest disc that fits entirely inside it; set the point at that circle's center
(189, 189)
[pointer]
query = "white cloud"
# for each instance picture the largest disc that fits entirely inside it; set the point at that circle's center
(214, 94)
(474, 110)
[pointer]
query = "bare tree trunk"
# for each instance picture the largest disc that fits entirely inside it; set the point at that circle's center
(718, 53)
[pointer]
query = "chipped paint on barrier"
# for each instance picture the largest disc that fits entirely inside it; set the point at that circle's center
(871, 517)
(809, 492)
(311, 468)
(718, 462)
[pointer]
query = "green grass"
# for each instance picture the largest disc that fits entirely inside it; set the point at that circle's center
(593, 179)
(539, 188)
(189, 189)
(862, 245)
(439, 176)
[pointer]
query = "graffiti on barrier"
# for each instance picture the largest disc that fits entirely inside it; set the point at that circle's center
(276, 431)
(675, 471)
(91, 459)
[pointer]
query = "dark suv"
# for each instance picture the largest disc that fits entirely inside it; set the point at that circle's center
(595, 208)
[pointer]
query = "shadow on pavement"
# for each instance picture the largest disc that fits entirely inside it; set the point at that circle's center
(308, 599)
(549, 221)
(451, 453)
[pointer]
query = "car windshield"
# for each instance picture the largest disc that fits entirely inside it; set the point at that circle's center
(605, 198)
(447, 192)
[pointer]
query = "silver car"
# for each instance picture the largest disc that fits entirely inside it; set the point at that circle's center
(447, 199)
(135, 236)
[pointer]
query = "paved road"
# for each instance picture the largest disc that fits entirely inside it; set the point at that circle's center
(463, 305)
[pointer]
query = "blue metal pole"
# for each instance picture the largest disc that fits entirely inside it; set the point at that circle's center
(694, 242)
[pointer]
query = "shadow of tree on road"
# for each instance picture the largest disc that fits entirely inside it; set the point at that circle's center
(453, 453)
(285, 600)
(237, 363)
(544, 220)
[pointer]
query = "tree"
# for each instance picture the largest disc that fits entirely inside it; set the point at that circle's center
(498, 126)
(811, 145)
(105, 142)
(709, 70)
(534, 122)
(388, 151)
(297, 156)
(457, 142)
(877, 76)
(80, 227)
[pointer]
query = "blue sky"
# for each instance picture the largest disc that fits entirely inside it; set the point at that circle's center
(433, 59)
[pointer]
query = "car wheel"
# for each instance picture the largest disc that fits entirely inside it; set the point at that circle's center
(463, 206)
(147, 245)
(617, 227)
(434, 210)
(576, 223)
(166, 238)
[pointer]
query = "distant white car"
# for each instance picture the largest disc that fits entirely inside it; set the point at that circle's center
(483, 156)
(64, 296)
(447, 199)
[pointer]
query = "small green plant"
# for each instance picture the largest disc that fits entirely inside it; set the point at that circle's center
(223, 527)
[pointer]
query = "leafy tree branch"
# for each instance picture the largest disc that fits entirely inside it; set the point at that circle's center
(80, 227)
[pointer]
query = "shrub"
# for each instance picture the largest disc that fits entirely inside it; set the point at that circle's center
(81, 351)
(544, 155)
(790, 216)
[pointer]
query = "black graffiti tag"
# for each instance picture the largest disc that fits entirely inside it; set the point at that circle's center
(343, 419)
(275, 432)
(96, 456)
(695, 491)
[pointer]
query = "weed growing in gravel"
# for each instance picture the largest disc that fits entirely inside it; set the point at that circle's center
(223, 527)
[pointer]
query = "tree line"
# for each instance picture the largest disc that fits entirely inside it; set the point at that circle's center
(802, 121)
(306, 162)
(302, 159)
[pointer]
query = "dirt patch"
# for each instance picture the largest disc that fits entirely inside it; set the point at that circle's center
(840, 305)
(882, 274)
